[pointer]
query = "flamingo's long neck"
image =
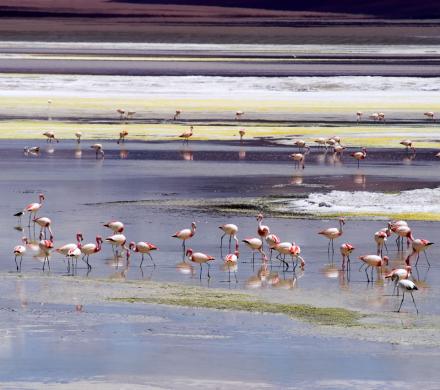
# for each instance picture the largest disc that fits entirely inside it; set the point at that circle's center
(98, 245)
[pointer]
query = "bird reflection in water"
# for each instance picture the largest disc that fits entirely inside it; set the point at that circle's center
(409, 158)
(360, 180)
(187, 155)
(78, 151)
(20, 289)
(50, 149)
(185, 268)
(123, 153)
(296, 180)
(242, 154)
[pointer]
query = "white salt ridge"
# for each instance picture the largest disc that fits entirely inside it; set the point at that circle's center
(423, 200)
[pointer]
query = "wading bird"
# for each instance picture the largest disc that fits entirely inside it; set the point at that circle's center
(78, 136)
(300, 143)
(90, 249)
(45, 246)
(255, 245)
(65, 249)
(230, 263)
(407, 286)
(398, 274)
(272, 241)
(117, 240)
(231, 230)
(19, 251)
(321, 142)
(346, 249)
(121, 113)
(122, 136)
(263, 231)
(185, 234)
(429, 115)
(408, 145)
(50, 135)
(332, 233)
(98, 150)
(187, 134)
(380, 237)
(359, 155)
(299, 158)
(419, 245)
(143, 248)
(33, 208)
(359, 116)
(200, 258)
(177, 114)
(115, 226)
(373, 261)
(242, 133)
(291, 249)
(45, 224)
(238, 115)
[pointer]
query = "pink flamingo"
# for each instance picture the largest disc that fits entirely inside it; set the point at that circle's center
(398, 274)
(380, 237)
(359, 155)
(262, 230)
(122, 136)
(373, 261)
(177, 114)
(359, 116)
(402, 232)
(231, 264)
(115, 226)
(430, 115)
(300, 144)
(45, 224)
(255, 245)
(50, 135)
(98, 150)
(65, 249)
(33, 208)
(332, 233)
(117, 240)
(289, 248)
(19, 251)
(408, 145)
(143, 247)
(272, 241)
(238, 115)
(187, 135)
(45, 247)
(185, 234)
(231, 230)
(200, 258)
(299, 158)
(419, 245)
(90, 249)
(346, 249)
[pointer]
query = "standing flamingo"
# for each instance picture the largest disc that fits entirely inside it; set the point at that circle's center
(45, 224)
(256, 245)
(115, 226)
(90, 249)
(289, 248)
(408, 145)
(262, 230)
(429, 115)
(299, 158)
(321, 142)
(78, 136)
(121, 113)
(177, 114)
(117, 240)
(65, 249)
(33, 208)
(50, 135)
(373, 261)
(419, 245)
(346, 249)
(272, 241)
(359, 116)
(98, 150)
(143, 248)
(380, 237)
(200, 258)
(231, 230)
(402, 232)
(187, 134)
(332, 233)
(242, 133)
(231, 264)
(359, 155)
(185, 234)
(122, 136)
(300, 144)
(407, 286)
(45, 247)
(19, 251)
(238, 115)
(398, 274)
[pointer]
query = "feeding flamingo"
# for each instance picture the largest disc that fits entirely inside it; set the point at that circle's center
(121, 113)
(373, 261)
(50, 135)
(65, 249)
(90, 249)
(231, 230)
(407, 286)
(143, 248)
(187, 135)
(398, 274)
(299, 158)
(117, 240)
(402, 232)
(346, 249)
(238, 115)
(73, 254)
(408, 145)
(359, 116)
(231, 264)
(185, 234)
(122, 136)
(321, 142)
(291, 249)
(332, 233)
(200, 258)
(78, 136)
(45, 247)
(115, 226)
(98, 150)
(359, 155)
(380, 237)
(242, 133)
(419, 245)
(429, 114)
(256, 245)
(33, 208)
(45, 224)
(19, 251)
(300, 144)
(177, 114)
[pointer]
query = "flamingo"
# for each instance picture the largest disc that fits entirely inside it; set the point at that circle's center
(200, 258)
(331, 143)
(143, 247)
(403, 232)
(122, 136)
(231, 230)
(121, 113)
(130, 114)
(289, 248)
(33, 208)
(187, 134)
(263, 230)
(346, 249)
(256, 245)
(78, 136)
(359, 116)
(185, 234)
(50, 136)
(381, 116)
(115, 226)
(117, 240)
(98, 150)
(300, 144)
(73, 254)
(374, 116)
(65, 249)
(19, 251)
(242, 133)
(339, 149)
(45, 247)
(373, 261)
(430, 115)
(332, 233)
(272, 241)
(419, 245)
(299, 158)
(360, 155)
(90, 249)
(231, 264)
(45, 224)
(238, 115)
(408, 144)
(380, 237)
(407, 286)
(398, 274)
(337, 139)
(321, 142)
(177, 114)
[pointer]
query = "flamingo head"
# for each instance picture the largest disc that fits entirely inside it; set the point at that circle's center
(99, 239)
(24, 239)
(260, 217)
(386, 259)
(41, 197)
(342, 220)
(189, 252)
(193, 225)
(79, 236)
(132, 245)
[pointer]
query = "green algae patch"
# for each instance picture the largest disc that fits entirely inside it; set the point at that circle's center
(243, 302)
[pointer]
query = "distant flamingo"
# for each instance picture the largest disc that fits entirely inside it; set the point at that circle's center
(408, 144)
(98, 150)
(238, 115)
(177, 114)
(185, 234)
(373, 261)
(291, 249)
(331, 143)
(255, 245)
(231, 264)
(339, 149)
(407, 286)
(45, 224)
(200, 258)
(117, 240)
(272, 241)
(430, 115)
(78, 136)
(299, 158)
(50, 135)
(359, 155)
(231, 230)
(65, 249)
(380, 238)
(45, 247)
(419, 245)
(359, 116)
(121, 113)
(187, 134)
(115, 226)
(374, 116)
(332, 233)
(122, 136)
(346, 249)
(33, 208)
(73, 254)
(130, 114)
(143, 248)
(398, 274)
(300, 144)
(321, 142)
(337, 139)
(242, 133)
(381, 116)
(90, 249)
(19, 251)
